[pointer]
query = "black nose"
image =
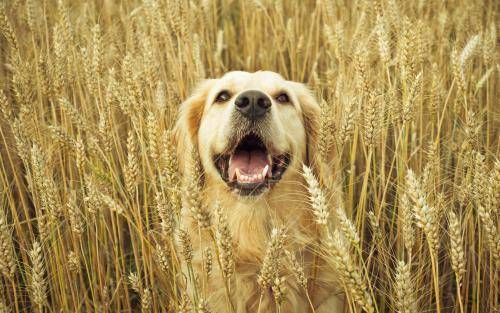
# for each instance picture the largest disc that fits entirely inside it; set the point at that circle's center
(253, 104)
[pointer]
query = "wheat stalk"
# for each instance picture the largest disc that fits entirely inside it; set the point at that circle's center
(207, 261)
(297, 269)
(383, 40)
(326, 135)
(38, 283)
(146, 300)
(74, 262)
(456, 245)
(135, 282)
(162, 258)
(8, 258)
(224, 242)
(316, 197)
(348, 228)
(75, 216)
(349, 273)
(186, 245)
(406, 218)
(279, 290)
(203, 307)
(5, 107)
(153, 130)
(272, 259)
(424, 214)
(193, 194)
(131, 171)
(404, 289)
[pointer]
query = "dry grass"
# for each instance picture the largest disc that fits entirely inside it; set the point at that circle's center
(89, 191)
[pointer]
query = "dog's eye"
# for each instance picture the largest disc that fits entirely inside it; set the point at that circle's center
(223, 96)
(282, 98)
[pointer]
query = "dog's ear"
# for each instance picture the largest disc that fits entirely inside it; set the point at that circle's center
(324, 171)
(188, 123)
(310, 116)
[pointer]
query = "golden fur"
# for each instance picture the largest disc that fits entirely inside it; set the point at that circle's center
(206, 126)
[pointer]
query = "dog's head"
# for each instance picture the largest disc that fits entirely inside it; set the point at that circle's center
(253, 131)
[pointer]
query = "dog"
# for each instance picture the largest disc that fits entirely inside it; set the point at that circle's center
(253, 132)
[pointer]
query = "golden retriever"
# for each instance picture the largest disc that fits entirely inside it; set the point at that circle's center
(253, 132)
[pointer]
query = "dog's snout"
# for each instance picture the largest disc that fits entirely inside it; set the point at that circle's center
(253, 104)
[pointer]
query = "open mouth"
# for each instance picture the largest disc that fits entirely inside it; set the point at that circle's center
(249, 168)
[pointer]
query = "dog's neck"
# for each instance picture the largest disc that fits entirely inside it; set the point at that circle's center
(251, 219)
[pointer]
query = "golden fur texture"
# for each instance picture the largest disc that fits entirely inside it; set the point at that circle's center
(207, 127)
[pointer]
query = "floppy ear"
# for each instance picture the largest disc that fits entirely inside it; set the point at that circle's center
(188, 123)
(310, 116)
(326, 172)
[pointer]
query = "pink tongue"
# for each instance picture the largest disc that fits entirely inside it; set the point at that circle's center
(249, 162)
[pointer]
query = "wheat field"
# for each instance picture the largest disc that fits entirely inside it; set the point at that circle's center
(89, 190)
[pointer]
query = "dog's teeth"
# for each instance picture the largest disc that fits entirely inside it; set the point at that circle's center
(265, 170)
(235, 175)
(259, 176)
(251, 178)
(237, 172)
